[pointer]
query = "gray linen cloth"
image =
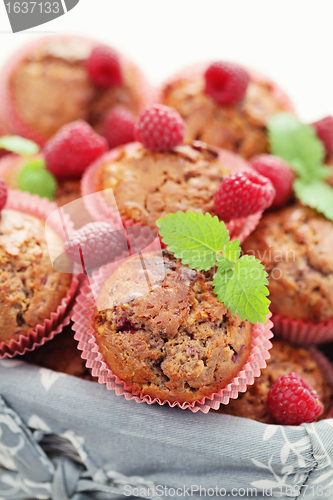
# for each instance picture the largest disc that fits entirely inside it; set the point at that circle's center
(64, 438)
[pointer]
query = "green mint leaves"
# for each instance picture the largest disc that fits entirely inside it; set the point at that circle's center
(33, 177)
(202, 242)
(18, 145)
(299, 145)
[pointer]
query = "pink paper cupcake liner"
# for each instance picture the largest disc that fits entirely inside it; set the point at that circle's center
(301, 332)
(199, 68)
(41, 208)
(13, 121)
(83, 312)
(99, 209)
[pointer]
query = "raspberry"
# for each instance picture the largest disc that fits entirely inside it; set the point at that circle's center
(280, 175)
(292, 401)
(159, 128)
(74, 147)
(95, 245)
(243, 194)
(324, 130)
(103, 67)
(118, 127)
(3, 193)
(226, 82)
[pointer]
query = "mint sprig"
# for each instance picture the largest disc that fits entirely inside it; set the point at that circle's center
(298, 144)
(18, 145)
(203, 242)
(35, 179)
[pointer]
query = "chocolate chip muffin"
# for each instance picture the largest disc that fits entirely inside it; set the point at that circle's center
(285, 358)
(49, 87)
(162, 330)
(148, 185)
(240, 128)
(30, 289)
(295, 245)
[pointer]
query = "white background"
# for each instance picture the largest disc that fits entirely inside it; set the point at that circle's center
(290, 40)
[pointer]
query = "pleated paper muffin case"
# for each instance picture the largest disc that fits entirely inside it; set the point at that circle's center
(10, 116)
(99, 209)
(301, 332)
(194, 70)
(83, 313)
(41, 208)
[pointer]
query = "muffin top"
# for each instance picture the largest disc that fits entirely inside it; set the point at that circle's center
(148, 185)
(284, 359)
(30, 289)
(239, 128)
(51, 87)
(295, 245)
(163, 331)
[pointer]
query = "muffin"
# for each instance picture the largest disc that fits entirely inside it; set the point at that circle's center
(285, 358)
(295, 245)
(240, 127)
(46, 86)
(163, 332)
(67, 190)
(30, 289)
(60, 355)
(147, 185)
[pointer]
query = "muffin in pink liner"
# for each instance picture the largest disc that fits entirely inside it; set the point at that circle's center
(295, 245)
(285, 358)
(134, 185)
(35, 299)
(45, 85)
(237, 363)
(239, 127)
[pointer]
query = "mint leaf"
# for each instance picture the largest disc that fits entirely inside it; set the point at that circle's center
(194, 238)
(35, 163)
(37, 180)
(232, 250)
(317, 195)
(18, 145)
(246, 289)
(297, 143)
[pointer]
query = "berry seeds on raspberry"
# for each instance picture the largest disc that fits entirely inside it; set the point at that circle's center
(74, 147)
(118, 127)
(226, 83)
(3, 193)
(242, 194)
(292, 401)
(279, 173)
(159, 128)
(103, 67)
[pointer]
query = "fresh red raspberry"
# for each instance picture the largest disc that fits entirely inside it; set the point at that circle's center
(103, 67)
(74, 147)
(324, 130)
(159, 128)
(95, 245)
(243, 194)
(118, 127)
(292, 401)
(280, 175)
(3, 194)
(226, 83)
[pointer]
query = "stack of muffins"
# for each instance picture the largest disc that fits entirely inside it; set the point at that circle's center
(158, 329)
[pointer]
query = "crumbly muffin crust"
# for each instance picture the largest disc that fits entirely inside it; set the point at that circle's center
(284, 359)
(51, 87)
(30, 289)
(295, 245)
(148, 185)
(240, 128)
(171, 339)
